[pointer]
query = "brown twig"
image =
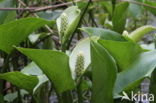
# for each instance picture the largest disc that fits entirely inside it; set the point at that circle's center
(140, 3)
(37, 9)
(23, 4)
(46, 26)
(24, 9)
(81, 18)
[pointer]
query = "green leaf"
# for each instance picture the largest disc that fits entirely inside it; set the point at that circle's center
(151, 3)
(10, 97)
(153, 83)
(32, 69)
(1, 1)
(136, 11)
(49, 43)
(135, 63)
(54, 64)
(119, 16)
(103, 33)
(49, 15)
(21, 80)
(73, 17)
(123, 52)
(150, 46)
(34, 37)
(85, 85)
(81, 5)
(142, 67)
(1, 98)
(6, 16)
(104, 72)
(107, 6)
(14, 32)
(140, 32)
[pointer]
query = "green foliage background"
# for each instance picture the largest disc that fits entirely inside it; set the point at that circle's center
(41, 41)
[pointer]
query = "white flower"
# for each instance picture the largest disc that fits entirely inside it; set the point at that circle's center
(82, 47)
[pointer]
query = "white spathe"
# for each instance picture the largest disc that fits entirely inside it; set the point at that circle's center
(83, 47)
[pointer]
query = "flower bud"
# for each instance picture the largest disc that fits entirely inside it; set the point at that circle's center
(64, 24)
(79, 67)
(125, 33)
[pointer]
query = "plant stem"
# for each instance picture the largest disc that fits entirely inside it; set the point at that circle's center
(34, 99)
(67, 97)
(92, 18)
(113, 5)
(81, 18)
(80, 92)
(1, 98)
(19, 96)
(6, 63)
(4, 69)
(60, 100)
(80, 97)
(15, 67)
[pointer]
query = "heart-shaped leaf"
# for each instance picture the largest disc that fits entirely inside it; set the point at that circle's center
(33, 69)
(14, 32)
(152, 4)
(142, 67)
(136, 63)
(104, 72)
(123, 52)
(103, 33)
(6, 16)
(21, 80)
(119, 16)
(54, 65)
